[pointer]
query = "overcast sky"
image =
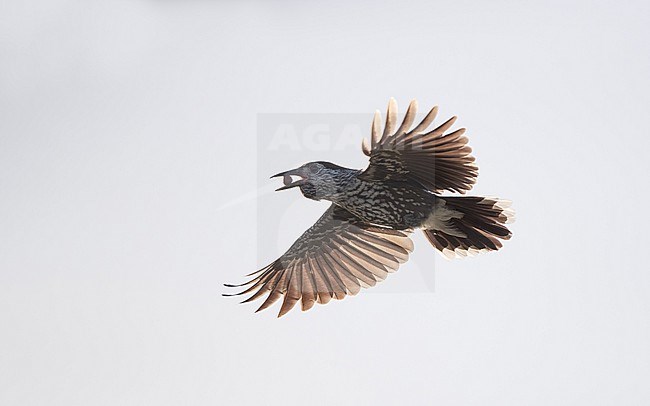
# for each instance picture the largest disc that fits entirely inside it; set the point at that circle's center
(134, 165)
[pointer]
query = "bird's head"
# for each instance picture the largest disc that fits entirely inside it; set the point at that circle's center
(317, 180)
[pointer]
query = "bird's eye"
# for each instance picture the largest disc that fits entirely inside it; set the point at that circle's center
(313, 168)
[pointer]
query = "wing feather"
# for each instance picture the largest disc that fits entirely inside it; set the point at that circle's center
(293, 293)
(308, 288)
(434, 159)
(334, 258)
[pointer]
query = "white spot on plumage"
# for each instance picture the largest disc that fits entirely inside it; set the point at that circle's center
(439, 220)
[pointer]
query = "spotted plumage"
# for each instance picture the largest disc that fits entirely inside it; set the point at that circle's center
(364, 235)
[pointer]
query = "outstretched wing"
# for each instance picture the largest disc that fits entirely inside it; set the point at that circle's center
(335, 257)
(435, 160)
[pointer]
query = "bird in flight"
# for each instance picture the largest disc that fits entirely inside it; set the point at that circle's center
(364, 234)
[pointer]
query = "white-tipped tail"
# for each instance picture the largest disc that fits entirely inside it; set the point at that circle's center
(465, 226)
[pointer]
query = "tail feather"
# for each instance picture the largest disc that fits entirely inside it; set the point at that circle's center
(477, 225)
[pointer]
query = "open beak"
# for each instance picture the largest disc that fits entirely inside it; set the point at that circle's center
(288, 178)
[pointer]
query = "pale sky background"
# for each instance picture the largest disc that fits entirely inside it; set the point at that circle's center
(127, 128)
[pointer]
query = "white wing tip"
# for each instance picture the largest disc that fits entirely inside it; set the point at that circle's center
(365, 146)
